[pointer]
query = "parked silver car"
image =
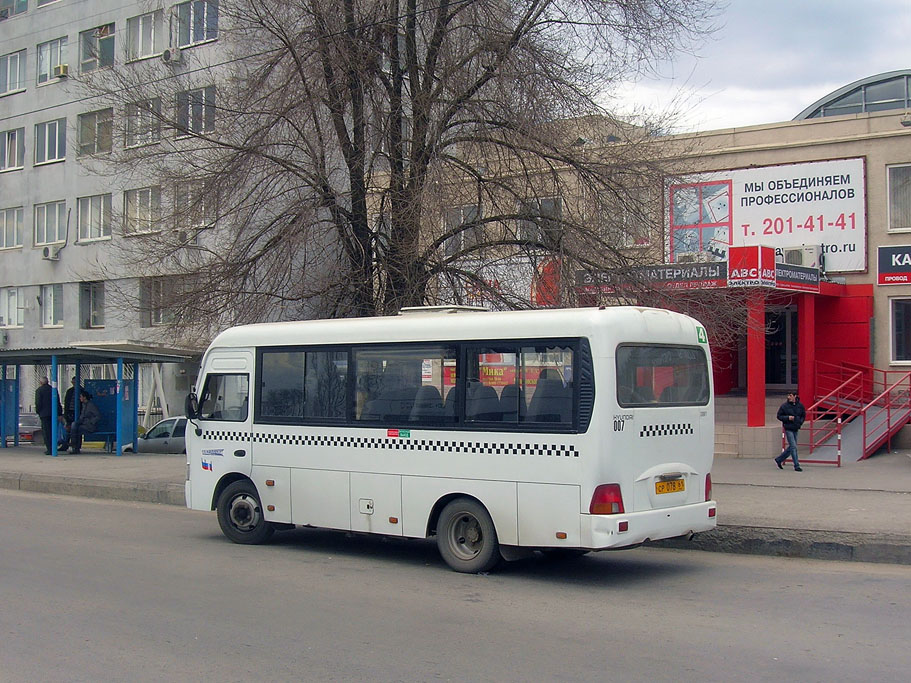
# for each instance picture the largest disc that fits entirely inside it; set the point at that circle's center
(29, 430)
(166, 436)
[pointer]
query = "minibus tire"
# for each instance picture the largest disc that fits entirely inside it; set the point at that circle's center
(240, 514)
(467, 538)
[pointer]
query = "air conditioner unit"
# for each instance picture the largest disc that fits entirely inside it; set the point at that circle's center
(172, 55)
(807, 255)
(61, 70)
(51, 253)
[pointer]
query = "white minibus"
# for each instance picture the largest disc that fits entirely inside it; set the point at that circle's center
(566, 430)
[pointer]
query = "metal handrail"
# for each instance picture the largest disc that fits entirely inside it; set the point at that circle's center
(836, 401)
(886, 399)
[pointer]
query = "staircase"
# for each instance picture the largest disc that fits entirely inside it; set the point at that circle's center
(862, 409)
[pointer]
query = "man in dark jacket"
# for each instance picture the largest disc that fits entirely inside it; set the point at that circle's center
(88, 421)
(69, 405)
(44, 406)
(791, 414)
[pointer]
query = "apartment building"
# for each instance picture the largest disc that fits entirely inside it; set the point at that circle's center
(62, 223)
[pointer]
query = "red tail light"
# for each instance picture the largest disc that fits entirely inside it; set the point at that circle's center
(606, 500)
(708, 486)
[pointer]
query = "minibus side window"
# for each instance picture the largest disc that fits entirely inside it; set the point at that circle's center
(225, 397)
(297, 385)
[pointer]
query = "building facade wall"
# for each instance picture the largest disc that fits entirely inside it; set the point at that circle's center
(881, 139)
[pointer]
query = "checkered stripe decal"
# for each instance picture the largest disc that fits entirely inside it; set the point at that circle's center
(674, 429)
(433, 446)
(223, 435)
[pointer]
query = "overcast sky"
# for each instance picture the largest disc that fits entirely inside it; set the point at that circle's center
(770, 59)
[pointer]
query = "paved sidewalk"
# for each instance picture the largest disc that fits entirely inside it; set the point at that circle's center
(861, 511)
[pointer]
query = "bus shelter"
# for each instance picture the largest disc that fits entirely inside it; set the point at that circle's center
(120, 397)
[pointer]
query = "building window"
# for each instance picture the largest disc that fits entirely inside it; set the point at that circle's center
(540, 221)
(194, 208)
(155, 301)
(96, 48)
(50, 141)
(197, 21)
(42, 3)
(96, 134)
(94, 220)
(12, 307)
(50, 55)
(901, 330)
(142, 35)
(91, 304)
(463, 219)
(196, 111)
(10, 8)
(12, 149)
(700, 221)
(143, 123)
(11, 228)
(12, 72)
(142, 210)
(899, 197)
(50, 223)
(52, 305)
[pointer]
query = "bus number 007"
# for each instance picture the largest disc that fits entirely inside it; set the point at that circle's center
(618, 425)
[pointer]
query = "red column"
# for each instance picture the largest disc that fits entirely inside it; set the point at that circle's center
(756, 359)
(806, 348)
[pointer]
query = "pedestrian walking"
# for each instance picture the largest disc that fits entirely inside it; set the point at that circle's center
(791, 414)
(44, 406)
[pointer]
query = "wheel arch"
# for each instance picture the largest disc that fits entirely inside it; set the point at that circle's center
(443, 501)
(225, 482)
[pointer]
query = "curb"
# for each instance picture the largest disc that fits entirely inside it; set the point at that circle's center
(843, 546)
(163, 494)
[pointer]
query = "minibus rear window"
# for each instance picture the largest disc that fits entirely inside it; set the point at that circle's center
(659, 375)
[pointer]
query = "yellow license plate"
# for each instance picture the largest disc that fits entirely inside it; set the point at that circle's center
(671, 486)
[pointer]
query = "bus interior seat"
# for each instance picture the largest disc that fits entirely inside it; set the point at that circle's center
(451, 404)
(428, 405)
(671, 394)
(643, 394)
(483, 404)
(551, 402)
(512, 403)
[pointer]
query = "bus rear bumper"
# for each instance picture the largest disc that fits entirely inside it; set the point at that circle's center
(188, 494)
(606, 531)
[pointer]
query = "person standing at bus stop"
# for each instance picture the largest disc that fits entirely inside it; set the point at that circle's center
(69, 405)
(791, 414)
(44, 406)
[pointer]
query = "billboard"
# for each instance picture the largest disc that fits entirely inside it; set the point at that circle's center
(815, 203)
(894, 265)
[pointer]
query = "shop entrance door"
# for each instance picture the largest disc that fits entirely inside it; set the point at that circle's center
(781, 348)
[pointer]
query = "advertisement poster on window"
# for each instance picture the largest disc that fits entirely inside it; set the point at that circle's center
(820, 203)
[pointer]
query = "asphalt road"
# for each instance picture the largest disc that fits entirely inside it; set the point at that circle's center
(93, 590)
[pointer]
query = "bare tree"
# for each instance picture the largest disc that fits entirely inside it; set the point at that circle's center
(351, 157)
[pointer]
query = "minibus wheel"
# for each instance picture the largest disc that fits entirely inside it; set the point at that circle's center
(467, 538)
(240, 514)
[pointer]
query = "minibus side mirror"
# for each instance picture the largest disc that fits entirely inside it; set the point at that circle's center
(191, 406)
